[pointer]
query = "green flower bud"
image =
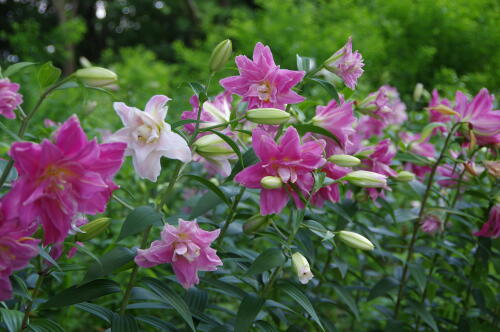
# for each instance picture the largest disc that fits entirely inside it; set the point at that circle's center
(302, 268)
(220, 55)
(344, 160)
(93, 228)
(366, 179)
(269, 116)
(271, 182)
(405, 176)
(355, 240)
(96, 76)
(417, 93)
(255, 224)
(210, 146)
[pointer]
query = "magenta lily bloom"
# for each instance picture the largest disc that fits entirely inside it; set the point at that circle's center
(262, 83)
(337, 118)
(57, 180)
(290, 161)
(186, 247)
(379, 162)
(479, 113)
(17, 249)
(10, 99)
(346, 64)
(331, 192)
(431, 224)
(435, 115)
(491, 228)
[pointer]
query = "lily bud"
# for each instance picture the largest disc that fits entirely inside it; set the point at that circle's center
(271, 182)
(366, 179)
(443, 109)
(210, 146)
(417, 93)
(93, 228)
(220, 55)
(269, 116)
(96, 76)
(344, 160)
(493, 167)
(405, 176)
(355, 240)
(255, 224)
(302, 268)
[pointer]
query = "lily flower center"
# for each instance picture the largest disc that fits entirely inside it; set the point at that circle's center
(264, 91)
(146, 134)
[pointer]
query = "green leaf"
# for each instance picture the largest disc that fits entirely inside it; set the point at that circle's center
(45, 255)
(96, 310)
(212, 187)
(418, 273)
(45, 325)
(329, 87)
(124, 323)
(48, 75)
(12, 69)
(413, 158)
(298, 296)
(231, 143)
(157, 322)
(304, 128)
(12, 319)
(384, 286)
(425, 316)
(110, 262)
(197, 299)
(181, 123)
(138, 220)
(9, 132)
(206, 202)
(427, 131)
(265, 326)
(172, 298)
(346, 297)
(249, 158)
(200, 91)
(247, 312)
(271, 258)
(83, 293)
(12, 173)
(305, 63)
(227, 288)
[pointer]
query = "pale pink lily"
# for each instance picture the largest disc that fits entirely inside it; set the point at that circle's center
(491, 228)
(186, 247)
(10, 99)
(149, 137)
(346, 64)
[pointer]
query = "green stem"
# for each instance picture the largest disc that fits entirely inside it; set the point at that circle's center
(27, 119)
(38, 285)
(221, 125)
(230, 217)
(417, 221)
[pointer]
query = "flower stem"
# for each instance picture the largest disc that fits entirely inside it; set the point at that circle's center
(25, 122)
(38, 285)
(417, 221)
(230, 217)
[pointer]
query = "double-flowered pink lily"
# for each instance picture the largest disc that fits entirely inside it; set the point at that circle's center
(149, 137)
(10, 99)
(436, 107)
(186, 247)
(346, 64)
(379, 162)
(337, 118)
(17, 248)
(483, 120)
(59, 179)
(289, 162)
(491, 228)
(422, 148)
(331, 192)
(262, 83)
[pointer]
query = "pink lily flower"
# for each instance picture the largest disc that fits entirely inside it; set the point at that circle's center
(10, 99)
(57, 180)
(379, 162)
(491, 228)
(186, 247)
(435, 115)
(262, 83)
(424, 149)
(346, 64)
(290, 161)
(431, 224)
(331, 192)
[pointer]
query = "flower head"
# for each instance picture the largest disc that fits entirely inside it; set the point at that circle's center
(424, 149)
(59, 179)
(435, 114)
(289, 160)
(16, 250)
(262, 83)
(10, 99)
(479, 113)
(491, 228)
(431, 224)
(302, 268)
(331, 192)
(186, 247)
(149, 137)
(346, 64)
